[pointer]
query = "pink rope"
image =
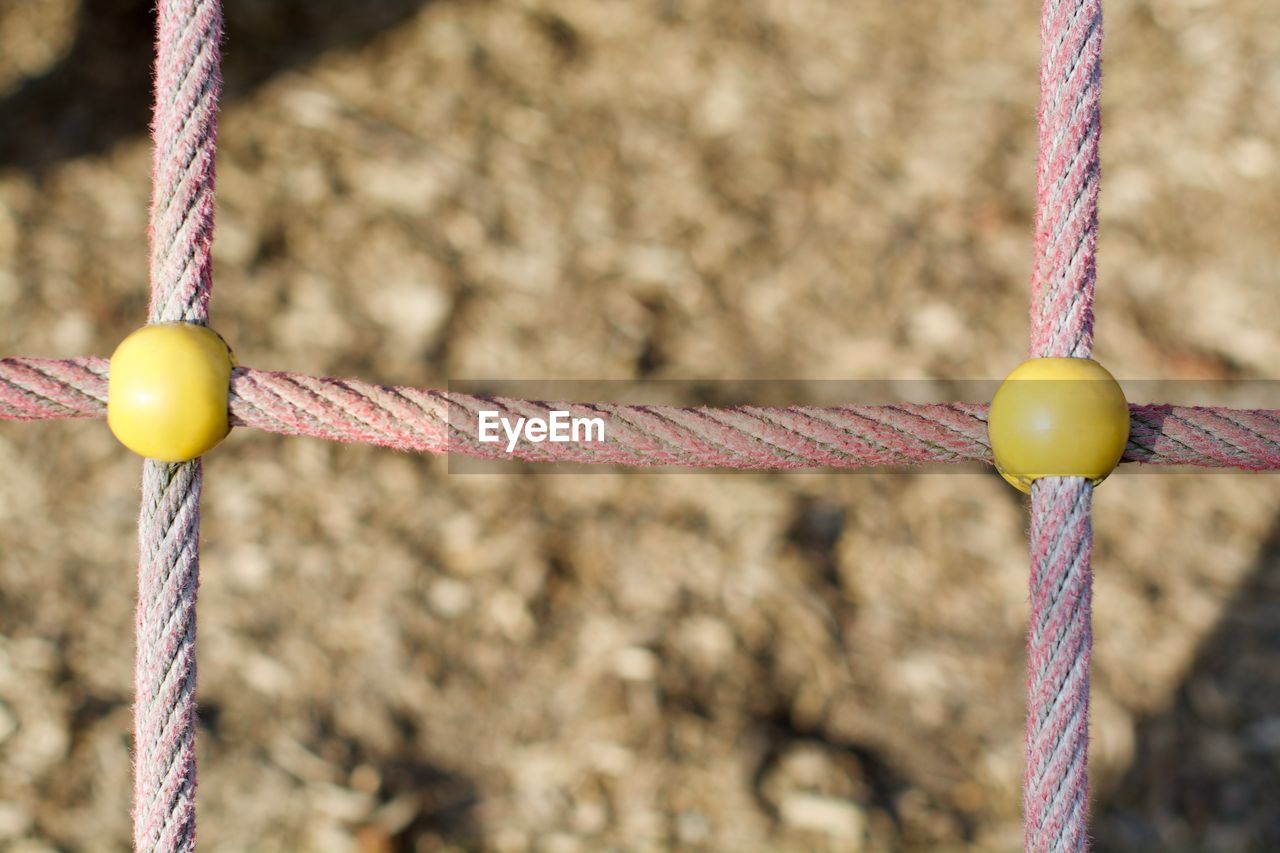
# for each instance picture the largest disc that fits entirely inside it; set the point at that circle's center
(1056, 784)
(1055, 787)
(414, 419)
(1063, 276)
(45, 389)
(641, 436)
(184, 128)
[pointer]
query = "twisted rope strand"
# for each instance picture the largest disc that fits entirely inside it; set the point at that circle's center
(1056, 782)
(414, 419)
(184, 127)
(165, 668)
(41, 389)
(1067, 172)
(1055, 789)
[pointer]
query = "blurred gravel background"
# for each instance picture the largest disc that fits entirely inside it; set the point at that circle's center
(394, 659)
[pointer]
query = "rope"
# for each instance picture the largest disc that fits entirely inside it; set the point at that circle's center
(46, 389)
(641, 436)
(1066, 229)
(1055, 785)
(1055, 789)
(184, 126)
(165, 666)
(414, 419)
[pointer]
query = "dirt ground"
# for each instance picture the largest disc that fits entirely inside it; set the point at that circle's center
(393, 658)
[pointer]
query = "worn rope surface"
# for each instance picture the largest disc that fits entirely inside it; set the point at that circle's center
(415, 419)
(1056, 788)
(1066, 228)
(184, 126)
(1056, 784)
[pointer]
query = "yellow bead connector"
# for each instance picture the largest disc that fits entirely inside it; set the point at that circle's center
(167, 391)
(1058, 417)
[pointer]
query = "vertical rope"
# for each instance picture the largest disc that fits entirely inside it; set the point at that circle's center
(1066, 230)
(1056, 783)
(184, 126)
(164, 817)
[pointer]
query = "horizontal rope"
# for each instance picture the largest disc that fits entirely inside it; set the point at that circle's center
(46, 389)
(413, 419)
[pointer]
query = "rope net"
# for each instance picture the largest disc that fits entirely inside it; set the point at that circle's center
(1055, 793)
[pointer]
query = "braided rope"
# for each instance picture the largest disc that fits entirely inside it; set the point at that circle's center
(745, 437)
(414, 419)
(184, 127)
(1055, 785)
(1066, 229)
(165, 666)
(46, 389)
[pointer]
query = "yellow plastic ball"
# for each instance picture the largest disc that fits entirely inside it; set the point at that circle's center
(167, 391)
(1058, 417)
